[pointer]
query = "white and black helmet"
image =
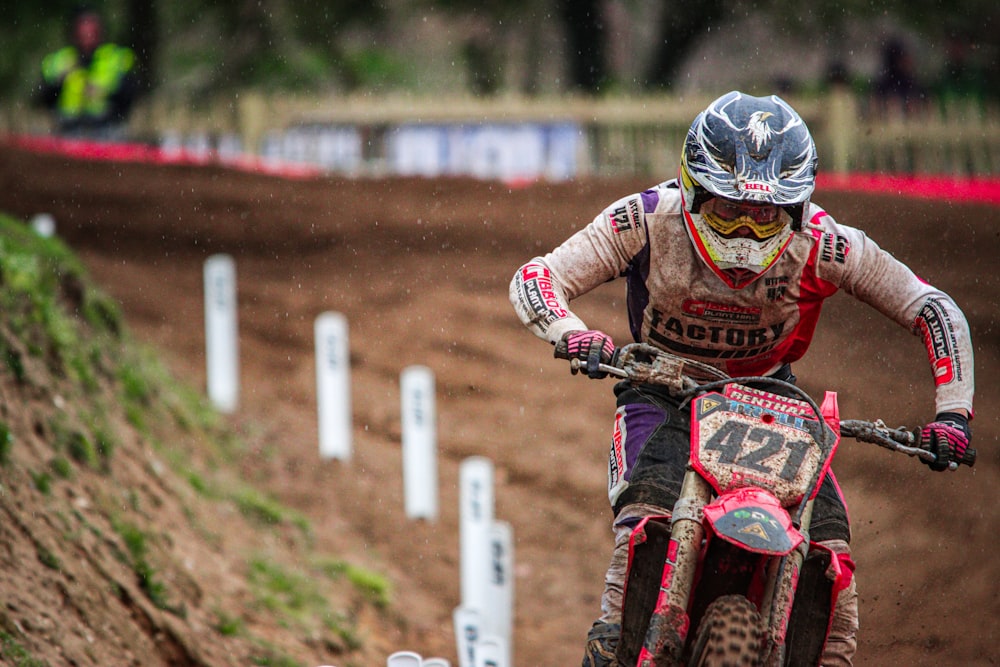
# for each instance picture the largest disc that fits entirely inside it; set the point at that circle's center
(752, 149)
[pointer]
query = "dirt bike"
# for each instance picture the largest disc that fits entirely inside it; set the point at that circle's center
(733, 561)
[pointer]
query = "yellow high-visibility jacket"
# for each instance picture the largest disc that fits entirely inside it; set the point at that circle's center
(87, 90)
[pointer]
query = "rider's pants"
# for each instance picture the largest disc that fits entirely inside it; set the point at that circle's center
(842, 641)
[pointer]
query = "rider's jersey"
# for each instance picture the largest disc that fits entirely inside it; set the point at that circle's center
(678, 303)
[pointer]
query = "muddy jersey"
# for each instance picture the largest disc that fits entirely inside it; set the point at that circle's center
(678, 303)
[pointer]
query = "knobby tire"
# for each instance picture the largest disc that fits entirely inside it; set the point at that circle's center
(731, 634)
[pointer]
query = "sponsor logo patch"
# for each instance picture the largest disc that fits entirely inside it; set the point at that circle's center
(626, 217)
(721, 312)
(776, 287)
(538, 293)
(834, 248)
(617, 465)
(935, 328)
(724, 340)
(761, 187)
(756, 530)
(741, 398)
(617, 470)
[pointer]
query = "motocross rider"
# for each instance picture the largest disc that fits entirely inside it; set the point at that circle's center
(729, 264)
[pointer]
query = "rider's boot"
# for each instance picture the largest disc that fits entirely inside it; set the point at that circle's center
(842, 641)
(602, 640)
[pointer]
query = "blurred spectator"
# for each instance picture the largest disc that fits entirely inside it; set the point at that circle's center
(89, 84)
(897, 89)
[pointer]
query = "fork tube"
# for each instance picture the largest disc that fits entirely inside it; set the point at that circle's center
(687, 533)
(782, 580)
(669, 623)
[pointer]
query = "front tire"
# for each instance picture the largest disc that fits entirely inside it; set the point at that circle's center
(731, 634)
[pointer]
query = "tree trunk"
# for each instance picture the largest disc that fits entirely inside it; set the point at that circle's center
(681, 25)
(143, 38)
(585, 32)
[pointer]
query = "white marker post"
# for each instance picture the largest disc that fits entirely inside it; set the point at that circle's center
(419, 419)
(468, 626)
(498, 619)
(404, 659)
(333, 386)
(44, 225)
(221, 337)
(490, 652)
(475, 522)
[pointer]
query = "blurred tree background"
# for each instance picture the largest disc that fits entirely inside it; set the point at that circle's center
(190, 49)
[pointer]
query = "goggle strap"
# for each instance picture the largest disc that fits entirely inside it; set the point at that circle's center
(701, 196)
(796, 212)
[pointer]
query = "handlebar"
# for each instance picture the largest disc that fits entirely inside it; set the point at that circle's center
(643, 363)
(897, 439)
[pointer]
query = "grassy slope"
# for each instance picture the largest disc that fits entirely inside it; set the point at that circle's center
(126, 535)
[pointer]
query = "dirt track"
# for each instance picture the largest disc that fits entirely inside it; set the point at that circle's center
(421, 268)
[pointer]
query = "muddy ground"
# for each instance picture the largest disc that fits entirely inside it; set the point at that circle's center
(420, 268)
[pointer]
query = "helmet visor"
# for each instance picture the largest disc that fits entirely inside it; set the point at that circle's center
(726, 216)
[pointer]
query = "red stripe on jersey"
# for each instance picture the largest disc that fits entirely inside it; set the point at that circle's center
(813, 291)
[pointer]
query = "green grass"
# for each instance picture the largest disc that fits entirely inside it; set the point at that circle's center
(268, 655)
(198, 483)
(105, 444)
(265, 511)
(43, 482)
(296, 601)
(81, 449)
(14, 363)
(48, 559)
(136, 542)
(18, 656)
(42, 288)
(62, 467)
(6, 444)
(372, 585)
(282, 590)
(229, 626)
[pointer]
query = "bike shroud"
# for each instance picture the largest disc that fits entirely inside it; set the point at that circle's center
(730, 577)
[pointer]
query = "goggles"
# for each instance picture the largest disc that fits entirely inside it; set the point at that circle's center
(727, 215)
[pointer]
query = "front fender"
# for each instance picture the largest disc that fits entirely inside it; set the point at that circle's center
(754, 520)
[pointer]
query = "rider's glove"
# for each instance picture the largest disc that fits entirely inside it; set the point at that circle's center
(948, 438)
(591, 347)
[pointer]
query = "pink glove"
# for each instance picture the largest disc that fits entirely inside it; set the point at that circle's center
(591, 347)
(948, 437)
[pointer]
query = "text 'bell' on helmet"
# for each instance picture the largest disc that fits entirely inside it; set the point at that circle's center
(755, 151)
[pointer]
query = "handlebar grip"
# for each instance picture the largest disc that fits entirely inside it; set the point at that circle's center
(593, 364)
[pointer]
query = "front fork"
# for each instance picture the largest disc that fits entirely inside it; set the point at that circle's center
(668, 626)
(779, 594)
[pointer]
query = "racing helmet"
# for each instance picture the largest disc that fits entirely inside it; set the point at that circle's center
(747, 171)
